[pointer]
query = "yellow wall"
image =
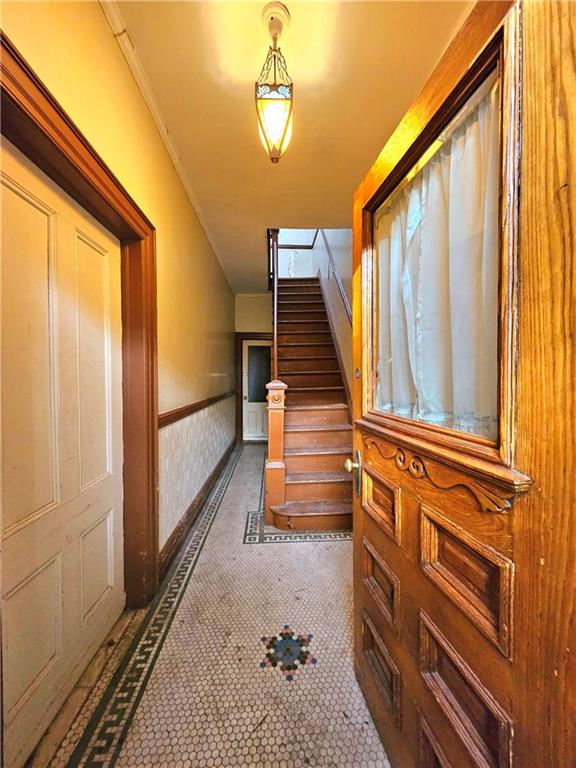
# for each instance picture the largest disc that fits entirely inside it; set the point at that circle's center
(72, 49)
(254, 312)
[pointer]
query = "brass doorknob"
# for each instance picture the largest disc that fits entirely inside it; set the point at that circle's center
(355, 467)
(350, 465)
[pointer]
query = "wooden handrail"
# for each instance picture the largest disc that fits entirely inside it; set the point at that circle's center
(334, 269)
(274, 250)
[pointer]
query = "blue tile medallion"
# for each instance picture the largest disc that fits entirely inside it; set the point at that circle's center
(288, 651)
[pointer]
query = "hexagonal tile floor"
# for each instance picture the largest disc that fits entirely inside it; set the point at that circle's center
(244, 659)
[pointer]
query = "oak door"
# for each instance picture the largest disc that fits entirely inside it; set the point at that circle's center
(61, 425)
(434, 292)
(255, 375)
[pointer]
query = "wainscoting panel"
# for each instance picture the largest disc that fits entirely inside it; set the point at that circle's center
(189, 451)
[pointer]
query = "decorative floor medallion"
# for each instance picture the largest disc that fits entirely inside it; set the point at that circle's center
(288, 651)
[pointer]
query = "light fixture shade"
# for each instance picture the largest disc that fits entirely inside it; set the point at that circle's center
(275, 115)
(274, 104)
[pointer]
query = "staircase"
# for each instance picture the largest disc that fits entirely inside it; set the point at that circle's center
(317, 429)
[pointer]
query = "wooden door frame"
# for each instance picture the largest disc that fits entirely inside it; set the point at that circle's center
(241, 337)
(37, 125)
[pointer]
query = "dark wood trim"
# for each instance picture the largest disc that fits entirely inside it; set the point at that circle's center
(486, 62)
(242, 336)
(368, 200)
(179, 534)
(34, 122)
(169, 417)
(338, 353)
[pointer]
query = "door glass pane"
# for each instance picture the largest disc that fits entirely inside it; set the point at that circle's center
(258, 373)
(436, 276)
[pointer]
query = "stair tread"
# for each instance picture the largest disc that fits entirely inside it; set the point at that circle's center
(325, 450)
(313, 389)
(318, 477)
(318, 428)
(308, 373)
(318, 406)
(303, 344)
(306, 508)
(315, 357)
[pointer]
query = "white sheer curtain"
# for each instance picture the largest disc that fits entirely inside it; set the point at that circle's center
(437, 271)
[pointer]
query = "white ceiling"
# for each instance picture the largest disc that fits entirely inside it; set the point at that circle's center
(356, 68)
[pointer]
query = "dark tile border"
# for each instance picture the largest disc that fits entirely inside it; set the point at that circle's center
(104, 735)
(255, 532)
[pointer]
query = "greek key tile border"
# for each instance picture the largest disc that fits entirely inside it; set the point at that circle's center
(102, 739)
(256, 532)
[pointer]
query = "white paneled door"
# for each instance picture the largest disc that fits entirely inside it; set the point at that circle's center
(61, 424)
(256, 373)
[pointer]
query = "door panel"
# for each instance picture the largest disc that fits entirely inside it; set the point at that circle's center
(434, 524)
(255, 375)
(62, 558)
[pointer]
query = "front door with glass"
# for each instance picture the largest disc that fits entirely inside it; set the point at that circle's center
(434, 559)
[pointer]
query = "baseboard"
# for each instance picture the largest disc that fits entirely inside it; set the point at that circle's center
(178, 535)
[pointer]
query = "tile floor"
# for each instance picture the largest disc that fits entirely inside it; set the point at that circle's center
(244, 659)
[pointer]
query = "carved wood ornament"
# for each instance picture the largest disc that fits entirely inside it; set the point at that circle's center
(444, 478)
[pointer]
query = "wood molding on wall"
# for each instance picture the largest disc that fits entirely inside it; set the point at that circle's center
(37, 125)
(169, 417)
(178, 535)
(242, 336)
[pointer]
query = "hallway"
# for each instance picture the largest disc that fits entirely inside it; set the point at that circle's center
(191, 690)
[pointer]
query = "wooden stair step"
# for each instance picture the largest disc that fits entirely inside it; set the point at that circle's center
(322, 450)
(313, 395)
(316, 413)
(310, 322)
(311, 378)
(304, 290)
(295, 349)
(324, 458)
(300, 364)
(290, 312)
(313, 516)
(302, 337)
(317, 478)
(318, 486)
(316, 435)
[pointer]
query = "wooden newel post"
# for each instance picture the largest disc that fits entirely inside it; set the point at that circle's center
(275, 467)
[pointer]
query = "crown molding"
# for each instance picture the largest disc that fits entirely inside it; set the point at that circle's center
(116, 23)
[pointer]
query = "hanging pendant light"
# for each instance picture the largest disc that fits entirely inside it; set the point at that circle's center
(274, 89)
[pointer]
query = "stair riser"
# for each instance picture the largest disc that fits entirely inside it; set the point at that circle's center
(302, 314)
(316, 463)
(313, 522)
(318, 417)
(304, 306)
(304, 350)
(293, 366)
(325, 437)
(300, 290)
(305, 338)
(314, 398)
(292, 281)
(305, 326)
(311, 380)
(318, 491)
